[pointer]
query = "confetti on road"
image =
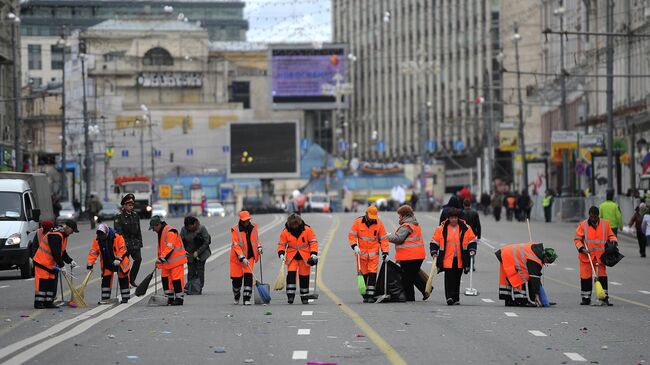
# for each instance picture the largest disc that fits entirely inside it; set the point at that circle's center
(299, 355)
(574, 356)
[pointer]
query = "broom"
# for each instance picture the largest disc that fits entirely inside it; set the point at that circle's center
(361, 281)
(77, 298)
(600, 292)
(429, 288)
(141, 289)
(279, 281)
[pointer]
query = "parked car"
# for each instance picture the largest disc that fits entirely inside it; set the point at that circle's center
(216, 210)
(318, 203)
(67, 212)
(158, 209)
(108, 212)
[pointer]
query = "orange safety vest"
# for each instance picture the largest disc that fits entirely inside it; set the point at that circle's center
(514, 259)
(119, 251)
(511, 202)
(451, 245)
(369, 239)
(594, 238)
(173, 250)
(44, 256)
(305, 244)
(239, 246)
(413, 246)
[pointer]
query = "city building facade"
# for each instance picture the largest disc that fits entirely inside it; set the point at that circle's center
(9, 39)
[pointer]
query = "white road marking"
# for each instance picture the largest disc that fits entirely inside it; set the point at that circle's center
(569, 269)
(644, 292)
(4, 286)
(487, 243)
(299, 355)
(312, 280)
(511, 314)
(487, 300)
(304, 332)
(615, 283)
(30, 279)
(310, 300)
(537, 333)
(574, 356)
(307, 313)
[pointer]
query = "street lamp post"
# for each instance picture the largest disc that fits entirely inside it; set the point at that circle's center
(565, 153)
(87, 147)
(147, 116)
(610, 96)
(15, 20)
(63, 188)
(522, 142)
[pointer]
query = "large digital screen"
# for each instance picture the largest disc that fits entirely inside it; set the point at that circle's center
(264, 150)
(299, 72)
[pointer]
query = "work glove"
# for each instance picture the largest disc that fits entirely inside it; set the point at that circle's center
(472, 252)
(116, 262)
(162, 260)
(73, 264)
(62, 270)
(357, 250)
(466, 270)
(384, 255)
(434, 253)
(582, 250)
(259, 250)
(313, 260)
(195, 254)
(89, 267)
(281, 255)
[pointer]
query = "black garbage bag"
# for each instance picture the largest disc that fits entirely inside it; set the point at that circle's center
(394, 287)
(612, 255)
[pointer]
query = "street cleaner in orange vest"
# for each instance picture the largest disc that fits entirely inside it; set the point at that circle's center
(110, 247)
(172, 258)
(298, 249)
(454, 244)
(520, 272)
(409, 252)
(49, 260)
(367, 238)
(591, 236)
(244, 253)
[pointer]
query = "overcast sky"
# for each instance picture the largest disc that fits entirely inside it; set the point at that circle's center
(288, 20)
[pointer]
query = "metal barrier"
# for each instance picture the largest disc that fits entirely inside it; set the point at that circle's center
(575, 209)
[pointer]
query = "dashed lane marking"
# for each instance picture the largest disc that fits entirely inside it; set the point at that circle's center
(643, 305)
(569, 269)
(487, 243)
(307, 313)
(511, 314)
(30, 279)
(575, 356)
(4, 286)
(299, 355)
(644, 292)
(615, 283)
(487, 300)
(304, 331)
(537, 333)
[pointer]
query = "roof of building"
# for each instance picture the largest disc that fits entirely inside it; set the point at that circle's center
(93, 2)
(234, 46)
(147, 25)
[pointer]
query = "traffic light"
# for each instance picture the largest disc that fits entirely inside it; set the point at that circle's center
(110, 152)
(246, 157)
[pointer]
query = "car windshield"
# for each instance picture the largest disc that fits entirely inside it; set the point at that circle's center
(67, 206)
(215, 206)
(319, 199)
(11, 206)
(135, 188)
(158, 207)
(110, 206)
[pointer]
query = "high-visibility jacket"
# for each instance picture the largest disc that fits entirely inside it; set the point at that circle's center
(369, 238)
(119, 252)
(239, 246)
(413, 246)
(306, 244)
(511, 202)
(547, 201)
(170, 247)
(453, 244)
(514, 259)
(44, 255)
(595, 238)
(36, 242)
(611, 212)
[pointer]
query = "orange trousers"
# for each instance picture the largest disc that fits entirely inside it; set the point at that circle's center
(173, 281)
(238, 269)
(300, 266)
(369, 265)
(44, 285)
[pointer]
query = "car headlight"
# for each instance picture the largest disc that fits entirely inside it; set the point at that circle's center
(69, 215)
(13, 240)
(223, 214)
(149, 209)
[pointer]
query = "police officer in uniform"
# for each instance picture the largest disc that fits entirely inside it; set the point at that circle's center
(127, 224)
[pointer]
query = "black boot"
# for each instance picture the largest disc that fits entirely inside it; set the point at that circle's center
(290, 298)
(170, 301)
(177, 301)
(304, 300)
(51, 305)
(585, 301)
(39, 305)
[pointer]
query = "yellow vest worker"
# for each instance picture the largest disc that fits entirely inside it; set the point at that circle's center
(367, 238)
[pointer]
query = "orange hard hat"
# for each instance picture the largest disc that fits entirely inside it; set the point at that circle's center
(371, 212)
(244, 215)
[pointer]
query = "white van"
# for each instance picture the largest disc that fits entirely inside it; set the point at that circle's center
(21, 208)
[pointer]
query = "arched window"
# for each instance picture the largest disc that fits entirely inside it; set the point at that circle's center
(158, 57)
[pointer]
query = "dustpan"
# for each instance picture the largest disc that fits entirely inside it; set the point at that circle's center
(156, 299)
(262, 290)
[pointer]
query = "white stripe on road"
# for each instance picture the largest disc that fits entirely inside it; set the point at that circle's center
(307, 313)
(487, 243)
(615, 283)
(644, 292)
(537, 333)
(511, 314)
(30, 279)
(574, 356)
(486, 300)
(4, 286)
(299, 355)
(304, 331)
(569, 269)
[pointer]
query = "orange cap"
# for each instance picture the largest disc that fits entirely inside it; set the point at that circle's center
(244, 215)
(371, 212)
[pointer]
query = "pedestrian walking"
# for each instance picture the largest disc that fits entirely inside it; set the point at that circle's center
(368, 239)
(171, 260)
(520, 272)
(645, 228)
(611, 212)
(524, 206)
(50, 260)
(409, 252)
(590, 240)
(127, 225)
(298, 249)
(547, 204)
(196, 241)
(244, 253)
(454, 203)
(414, 200)
(497, 206)
(110, 247)
(485, 203)
(93, 206)
(454, 244)
(473, 219)
(510, 202)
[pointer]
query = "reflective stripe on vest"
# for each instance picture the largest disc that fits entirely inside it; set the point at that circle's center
(520, 260)
(240, 242)
(44, 248)
(595, 245)
(412, 237)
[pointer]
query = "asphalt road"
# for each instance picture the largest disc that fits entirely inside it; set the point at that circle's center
(338, 328)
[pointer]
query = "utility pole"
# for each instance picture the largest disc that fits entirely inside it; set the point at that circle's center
(563, 110)
(490, 129)
(153, 152)
(87, 149)
(522, 142)
(64, 162)
(610, 97)
(15, 20)
(141, 146)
